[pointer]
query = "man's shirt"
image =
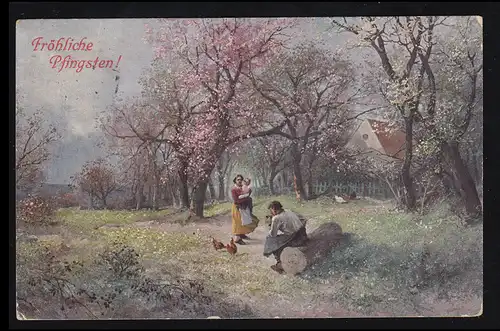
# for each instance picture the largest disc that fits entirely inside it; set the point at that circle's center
(286, 222)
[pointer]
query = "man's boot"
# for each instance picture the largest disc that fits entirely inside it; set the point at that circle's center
(278, 268)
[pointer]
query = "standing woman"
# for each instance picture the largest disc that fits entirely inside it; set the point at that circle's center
(239, 230)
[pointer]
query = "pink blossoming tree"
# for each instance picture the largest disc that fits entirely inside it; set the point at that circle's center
(211, 58)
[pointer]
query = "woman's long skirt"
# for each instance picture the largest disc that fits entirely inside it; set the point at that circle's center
(238, 227)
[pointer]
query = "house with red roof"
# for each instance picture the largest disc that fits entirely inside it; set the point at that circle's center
(379, 137)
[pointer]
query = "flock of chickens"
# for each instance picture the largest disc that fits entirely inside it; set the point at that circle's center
(231, 247)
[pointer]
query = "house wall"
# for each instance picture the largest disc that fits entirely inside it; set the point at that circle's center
(358, 142)
(371, 147)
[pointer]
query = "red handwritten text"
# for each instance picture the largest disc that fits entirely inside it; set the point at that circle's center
(62, 44)
(61, 62)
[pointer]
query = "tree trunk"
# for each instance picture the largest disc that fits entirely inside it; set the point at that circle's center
(261, 178)
(405, 171)
(474, 165)
(156, 188)
(175, 199)
(447, 180)
(272, 175)
(167, 196)
(91, 200)
(199, 198)
(311, 159)
(211, 188)
(295, 260)
(298, 182)
(310, 189)
(280, 184)
(183, 187)
(133, 196)
(286, 180)
(139, 194)
(222, 187)
(156, 185)
(150, 196)
(227, 186)
(467, 186)
(285, 186)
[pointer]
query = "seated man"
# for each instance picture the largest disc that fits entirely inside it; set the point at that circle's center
(293, 232)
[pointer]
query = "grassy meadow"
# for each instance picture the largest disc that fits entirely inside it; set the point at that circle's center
(145, 264)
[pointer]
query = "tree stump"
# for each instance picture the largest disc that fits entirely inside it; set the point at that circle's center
(295, 260)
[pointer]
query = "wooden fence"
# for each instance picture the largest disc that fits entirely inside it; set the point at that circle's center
(367, 188)
(373, 188)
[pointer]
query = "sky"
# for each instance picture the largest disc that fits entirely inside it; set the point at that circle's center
(72, 100)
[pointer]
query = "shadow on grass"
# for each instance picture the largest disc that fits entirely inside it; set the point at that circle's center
(407, 267)
(356, 257)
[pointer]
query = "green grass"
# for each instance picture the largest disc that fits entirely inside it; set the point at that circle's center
(217, 209)
(88, 220)
(225, 207)
(152, 243)
(372, 274)
(236, 274)
(378, 268)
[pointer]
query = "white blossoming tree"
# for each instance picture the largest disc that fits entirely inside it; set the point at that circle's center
(432, 82)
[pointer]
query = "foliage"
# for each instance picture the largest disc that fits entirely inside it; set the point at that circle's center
(432, 81)
(151, 243)
(218, 209)
(121, 260)
(35, 210)
(34, 137)
(217, 83)
(105, 287)
(309, 89)
(98, 179)
(88, 220)
(66, 200)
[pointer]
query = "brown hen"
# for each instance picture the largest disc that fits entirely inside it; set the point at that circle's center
(231, 247)
(217, 244)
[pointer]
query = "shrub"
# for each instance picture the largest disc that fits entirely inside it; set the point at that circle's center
(121, 260)
(35, 210)
(121, 203)
(113, 285)
(66, 200)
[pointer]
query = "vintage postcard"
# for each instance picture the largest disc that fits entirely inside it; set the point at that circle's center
(234, 168)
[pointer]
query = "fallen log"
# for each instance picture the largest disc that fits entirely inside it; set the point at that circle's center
(321, 241)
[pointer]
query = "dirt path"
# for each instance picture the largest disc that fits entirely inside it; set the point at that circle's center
(219, 227)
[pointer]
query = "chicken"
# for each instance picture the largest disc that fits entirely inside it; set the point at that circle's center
(231, 247)
(217, 244)
(346, 197)
(339, 199)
